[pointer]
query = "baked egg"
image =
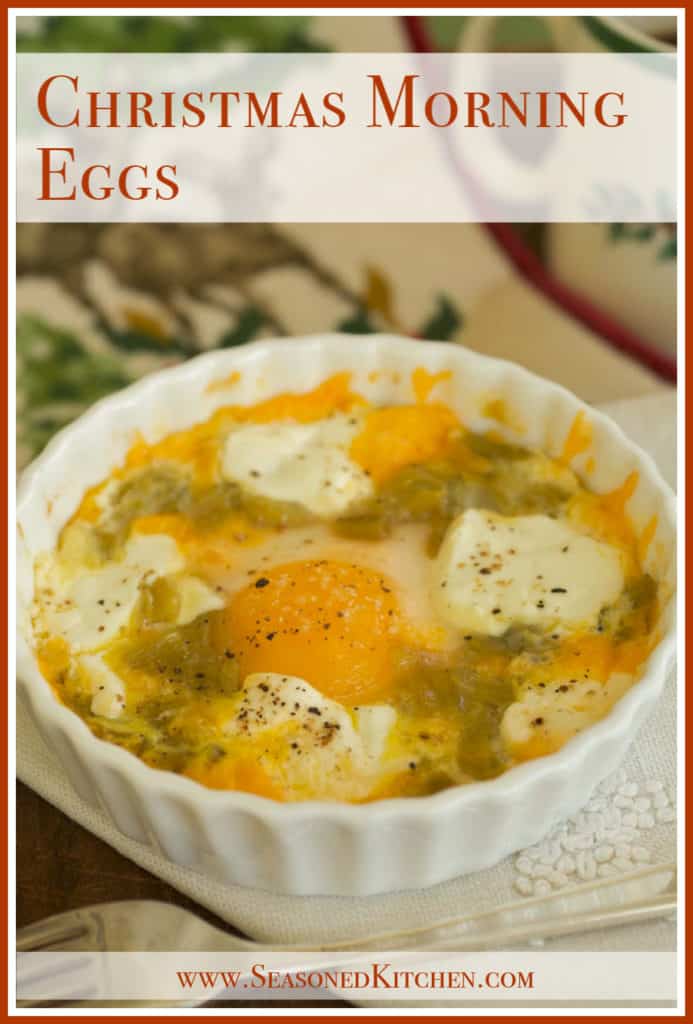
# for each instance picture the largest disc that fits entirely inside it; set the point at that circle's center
(316, 598)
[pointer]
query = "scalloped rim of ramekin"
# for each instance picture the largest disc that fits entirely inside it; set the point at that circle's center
(154, 782)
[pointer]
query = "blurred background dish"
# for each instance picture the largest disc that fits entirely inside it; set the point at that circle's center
(570, 34)
(628, 271)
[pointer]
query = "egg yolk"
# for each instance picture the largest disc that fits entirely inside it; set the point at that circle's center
(331, 623)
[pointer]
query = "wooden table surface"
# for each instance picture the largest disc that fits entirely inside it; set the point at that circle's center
(61, 866)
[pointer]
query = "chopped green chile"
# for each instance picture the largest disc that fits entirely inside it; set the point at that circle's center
(437, 493)
(184, 659)
(635, 611)
(471, 696)
(488, 448)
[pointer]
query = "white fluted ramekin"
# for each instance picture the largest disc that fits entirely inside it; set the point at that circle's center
(321, 847)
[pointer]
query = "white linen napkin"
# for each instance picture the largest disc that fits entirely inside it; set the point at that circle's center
(629, 821)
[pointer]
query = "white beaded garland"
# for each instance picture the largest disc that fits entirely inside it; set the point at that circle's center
(524, 886)
(601, 841)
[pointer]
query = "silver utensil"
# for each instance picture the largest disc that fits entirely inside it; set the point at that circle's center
(150, 926)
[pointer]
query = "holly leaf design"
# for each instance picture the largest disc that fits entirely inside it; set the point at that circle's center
(250, 320)
(668, 250)
(616, 231)
(444, 322)
(166, 34)
(632, 232)
(357, 324)
(143, 340)
(57, 378)
(378, 296)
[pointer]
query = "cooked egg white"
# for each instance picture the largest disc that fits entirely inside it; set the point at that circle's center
(195, 597)
(304, 463)
(374, 724)
(89, 607)
(549, 714)
(306, 742)
(106, 687)
(269, 700)
(493, 572)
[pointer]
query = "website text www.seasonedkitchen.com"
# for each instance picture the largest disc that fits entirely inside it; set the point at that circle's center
(369, 977)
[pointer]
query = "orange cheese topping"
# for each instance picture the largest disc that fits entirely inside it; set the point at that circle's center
(497, 409)
(224, 383)
(423, 382)
(176, 526)
(578, 440)
(53, 659)
(646, 537)
(333, 395)
(402, 435)
(606, 516)
(600, 655)
(241, 774)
